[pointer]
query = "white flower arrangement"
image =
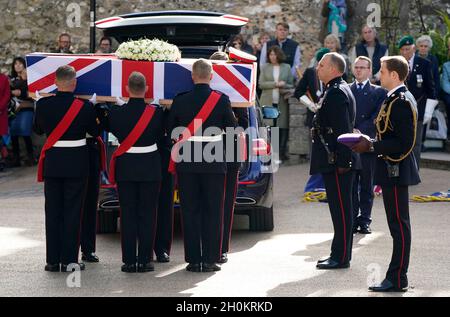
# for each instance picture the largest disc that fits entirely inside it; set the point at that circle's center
(149, 50)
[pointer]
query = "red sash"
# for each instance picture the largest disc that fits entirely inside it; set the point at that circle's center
(57, 133)
(102, 149)
(203, 115)
(130, 140)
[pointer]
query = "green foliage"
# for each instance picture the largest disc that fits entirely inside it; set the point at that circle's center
(440, 48)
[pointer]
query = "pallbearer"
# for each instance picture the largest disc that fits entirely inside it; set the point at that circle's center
(136, 167)
(64, 166)
(201, 168)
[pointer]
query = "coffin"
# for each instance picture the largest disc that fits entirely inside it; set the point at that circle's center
(107, 76)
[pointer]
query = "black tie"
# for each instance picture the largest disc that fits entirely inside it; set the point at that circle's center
(360, 86)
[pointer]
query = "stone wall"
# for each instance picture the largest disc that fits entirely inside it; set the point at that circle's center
(33, 25)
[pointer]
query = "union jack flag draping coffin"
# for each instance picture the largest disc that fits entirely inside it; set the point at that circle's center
(107, 76)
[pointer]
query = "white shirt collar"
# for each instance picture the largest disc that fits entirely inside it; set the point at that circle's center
(411, 62)
(395, 89)
(364, 83)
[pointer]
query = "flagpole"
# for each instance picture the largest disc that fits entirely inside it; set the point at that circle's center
(93, 17)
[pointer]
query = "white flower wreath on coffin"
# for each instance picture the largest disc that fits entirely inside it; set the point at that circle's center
(149, 50)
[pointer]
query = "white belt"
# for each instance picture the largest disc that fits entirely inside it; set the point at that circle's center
(215, 138)
(143, 149)
(76, 143)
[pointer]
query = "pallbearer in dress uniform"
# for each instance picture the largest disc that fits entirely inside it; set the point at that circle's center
(201, 179)
(235, 155)
(64, 167)
(396, 167)
(136, 167)
(335, 161)
(164, 228)
(97, 154)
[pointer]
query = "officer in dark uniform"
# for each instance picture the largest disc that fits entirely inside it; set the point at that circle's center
(335, 161)
(234, 158)
(368, 98)
(164, 228)
(396, 167)
(201, 179)
(138, 175)
(420, 83)
(65, 169)
(89, 222)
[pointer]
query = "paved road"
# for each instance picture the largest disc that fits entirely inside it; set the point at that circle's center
(279, 263)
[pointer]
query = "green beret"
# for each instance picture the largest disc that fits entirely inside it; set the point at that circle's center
(406, 40)
(321, 52)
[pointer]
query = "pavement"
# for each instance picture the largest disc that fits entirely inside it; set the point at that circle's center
(278, 263)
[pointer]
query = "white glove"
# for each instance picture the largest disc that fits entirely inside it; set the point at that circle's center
(156, 102)
(429, 109)
(93, 100)
(304, 100)
(120, 101)
(37, 95)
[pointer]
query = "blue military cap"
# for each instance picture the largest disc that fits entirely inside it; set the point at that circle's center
(406, 40)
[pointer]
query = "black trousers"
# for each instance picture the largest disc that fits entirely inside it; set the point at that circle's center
(396, 204)
(202, 200)
(230, 199)
(339, 190)
(89, 223)
(164, 229)
(363, 191)
(63, 214)
(138, 204)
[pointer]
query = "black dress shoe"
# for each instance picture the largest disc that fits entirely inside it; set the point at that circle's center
(52, 267)
(90, 257)
(65, 267)
(194, 267)
(355, 229)
(210, 267)
(365, 230)
(323, 260)
(143, 268)
(223, 259)
(387, 286)
(129, 268)
(332, 265)
(163, 258)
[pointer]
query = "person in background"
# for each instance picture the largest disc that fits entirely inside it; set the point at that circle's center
(263, 38)
(334, 45)
(445, 84)
(369, 99)
(64, 44)
(420, 83)
(5, 96)
(313, 88)
(105, 46)
(275, 76)
(370, 47)
(424, 44)
(291, 49)
(239, 43)
(22, 124)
